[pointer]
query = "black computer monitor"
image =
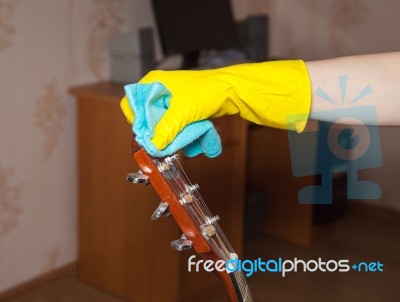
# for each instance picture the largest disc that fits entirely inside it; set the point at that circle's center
(189, 26)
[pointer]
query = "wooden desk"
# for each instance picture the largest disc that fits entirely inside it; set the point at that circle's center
(269, 169)
(120, 249)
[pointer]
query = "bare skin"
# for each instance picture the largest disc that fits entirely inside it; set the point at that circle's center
(380, 71)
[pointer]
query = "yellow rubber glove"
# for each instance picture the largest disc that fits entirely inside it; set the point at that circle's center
(275, 94)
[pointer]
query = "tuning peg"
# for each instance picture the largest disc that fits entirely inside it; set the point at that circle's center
(208, 229)
(138, 178)
(167, 162)
(162, 210)
(188, 196)
(182, 244)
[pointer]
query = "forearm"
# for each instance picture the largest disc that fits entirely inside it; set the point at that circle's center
(380, 71)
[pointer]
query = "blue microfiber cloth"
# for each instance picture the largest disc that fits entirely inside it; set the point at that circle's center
(149, 102)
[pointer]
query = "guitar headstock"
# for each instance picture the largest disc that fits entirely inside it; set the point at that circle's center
(181, 200)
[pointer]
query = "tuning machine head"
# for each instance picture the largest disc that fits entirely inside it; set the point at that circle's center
(162, 210)
(138, 178)
(182, 244)
(167, 162)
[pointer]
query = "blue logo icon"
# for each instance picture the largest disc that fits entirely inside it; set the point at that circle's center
(348, 145)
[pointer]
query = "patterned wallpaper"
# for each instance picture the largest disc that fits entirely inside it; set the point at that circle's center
(9, 209)
(49, 114)
(46, 46)
(345, 15)
(6, 28)
(318, 29)
(104, 20)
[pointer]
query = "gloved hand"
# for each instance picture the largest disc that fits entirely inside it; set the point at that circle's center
(275, 94)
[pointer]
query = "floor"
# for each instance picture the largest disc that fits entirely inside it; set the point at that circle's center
(357, 239)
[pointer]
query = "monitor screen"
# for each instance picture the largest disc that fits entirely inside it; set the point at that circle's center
(192, 25)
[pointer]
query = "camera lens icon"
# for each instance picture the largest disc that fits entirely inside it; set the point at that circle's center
(349, 145)
(348, 142)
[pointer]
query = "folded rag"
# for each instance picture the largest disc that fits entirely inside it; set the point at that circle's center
(149, 102)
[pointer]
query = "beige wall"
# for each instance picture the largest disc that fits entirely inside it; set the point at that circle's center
(316, 29)
(45, 47)
(48, 45)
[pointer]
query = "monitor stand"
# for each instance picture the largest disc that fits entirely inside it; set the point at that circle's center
(190, 59)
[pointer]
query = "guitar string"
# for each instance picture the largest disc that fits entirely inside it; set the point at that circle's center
(242, 283)
(243, 287)
(226, 241)
(188, 180)
(238, 275)
(182, 189)
(228, 248)
(224, 238)
(196, 206)
(196, 194)
(171, 172)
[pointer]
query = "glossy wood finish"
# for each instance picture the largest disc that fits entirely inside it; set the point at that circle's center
(120, 249)
(269, 169)
(182, 218)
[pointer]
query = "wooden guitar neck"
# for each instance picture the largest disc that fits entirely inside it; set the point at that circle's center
(201, 230)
